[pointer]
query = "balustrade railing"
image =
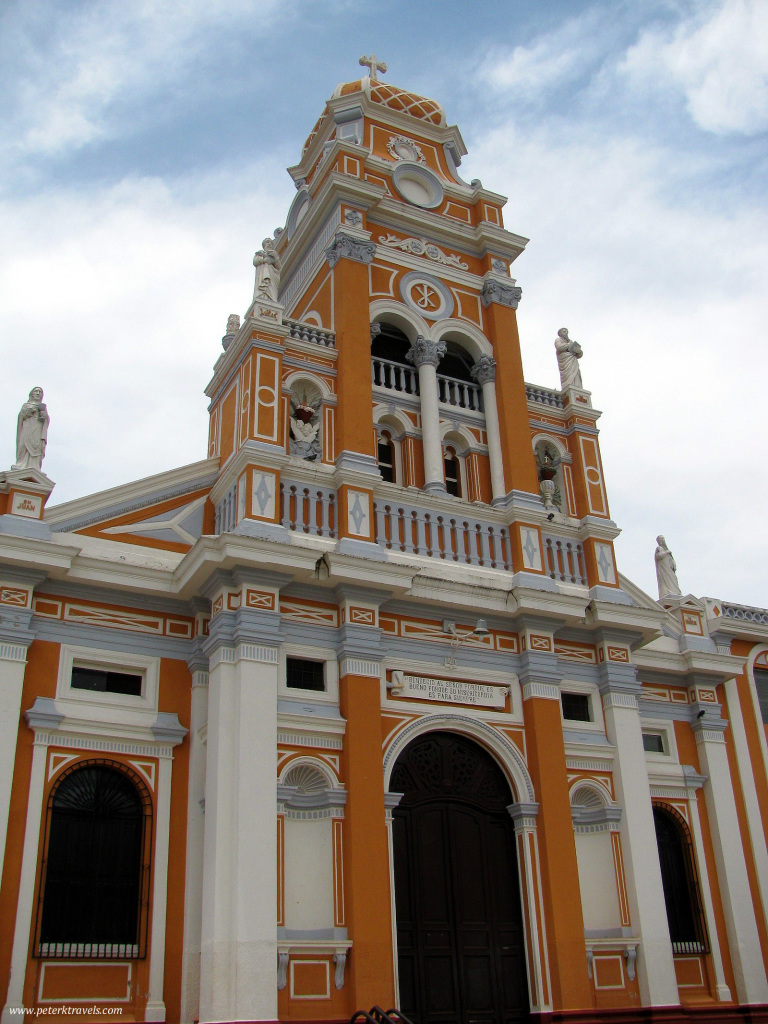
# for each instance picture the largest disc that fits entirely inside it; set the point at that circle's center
(225, 514)
(565, 560)
(544, 396)
(416, 531)
(307, 508)
(461, 393)
(744, 613)
(308, 332)
(394, 376)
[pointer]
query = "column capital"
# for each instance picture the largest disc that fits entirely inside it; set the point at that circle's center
(425, 351)
(613, 698)
(503, 293)
(618, 679)
(348, 247)
(541, 690)
(523, 815)
(484, 370)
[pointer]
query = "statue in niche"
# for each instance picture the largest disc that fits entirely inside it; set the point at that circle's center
(305, 424)
(268, 267)
(32, 432)
(666, 571)
(547, 463)
(568, 355)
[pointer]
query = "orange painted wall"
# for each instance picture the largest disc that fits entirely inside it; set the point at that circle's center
(175, 696)
(366, 849)
(571, 987)
(519, 463)
(227, 436)
(353, 341)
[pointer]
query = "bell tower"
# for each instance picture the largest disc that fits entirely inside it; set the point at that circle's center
(374, 393)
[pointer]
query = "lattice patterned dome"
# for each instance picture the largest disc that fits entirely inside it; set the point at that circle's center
(390, 96)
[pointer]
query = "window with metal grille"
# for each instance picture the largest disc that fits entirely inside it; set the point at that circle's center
(105, 681)
(679, 878)
(93, 900)
(305, 675)
(653, 742)
(575, 707)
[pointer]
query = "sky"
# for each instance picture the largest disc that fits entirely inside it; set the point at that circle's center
(143, 148)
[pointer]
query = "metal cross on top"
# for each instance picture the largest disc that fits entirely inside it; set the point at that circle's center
(374, 66)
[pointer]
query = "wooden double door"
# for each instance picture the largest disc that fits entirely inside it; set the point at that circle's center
(461, 955)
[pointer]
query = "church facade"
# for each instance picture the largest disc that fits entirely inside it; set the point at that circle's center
(358, 710)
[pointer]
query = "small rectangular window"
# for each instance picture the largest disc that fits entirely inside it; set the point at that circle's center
(653, 742)
(305, 675)
(761, 683)
(386, 462)
(575, 707)
(104, 681)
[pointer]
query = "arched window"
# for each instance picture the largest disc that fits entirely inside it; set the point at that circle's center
(94, 890)
(389, 367)
(386, 457)
(452, 471)
(679, 878)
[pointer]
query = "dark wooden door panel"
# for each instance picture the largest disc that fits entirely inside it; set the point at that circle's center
(461, 957)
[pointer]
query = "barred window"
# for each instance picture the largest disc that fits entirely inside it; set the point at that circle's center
(305, 675)
(94, 889)
(680, 881)
(576, 707)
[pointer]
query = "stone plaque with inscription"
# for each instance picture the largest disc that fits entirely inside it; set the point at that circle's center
(450, 691)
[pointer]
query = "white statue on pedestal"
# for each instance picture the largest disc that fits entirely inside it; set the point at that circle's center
(568, 355)
(268, 267)
(32, 432)
(666, 571)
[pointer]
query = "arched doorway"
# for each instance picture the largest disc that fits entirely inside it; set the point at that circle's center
(461, 954)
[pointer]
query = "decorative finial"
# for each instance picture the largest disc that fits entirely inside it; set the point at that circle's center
(374, 65)
(233, 326)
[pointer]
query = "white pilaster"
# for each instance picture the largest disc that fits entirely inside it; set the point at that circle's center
(25, 908)
(743, 936)
(193, 907)
(747, 776)
(723, 992)
(536, 955)
(239, 934)
(484, 372)
(13, 661)
(426, 355)
(155, 1008)
(656, 969)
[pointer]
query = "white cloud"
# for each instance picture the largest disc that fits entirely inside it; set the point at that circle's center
(115, 304)
(667, 303)
(106, 51)
(550, 60)
(718, 57)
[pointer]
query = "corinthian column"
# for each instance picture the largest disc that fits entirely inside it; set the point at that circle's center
(425, 355)
(484, 372)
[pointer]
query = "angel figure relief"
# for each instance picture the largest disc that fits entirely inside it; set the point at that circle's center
(305, 425)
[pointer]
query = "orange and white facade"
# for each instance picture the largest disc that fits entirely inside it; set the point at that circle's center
(396, 729)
